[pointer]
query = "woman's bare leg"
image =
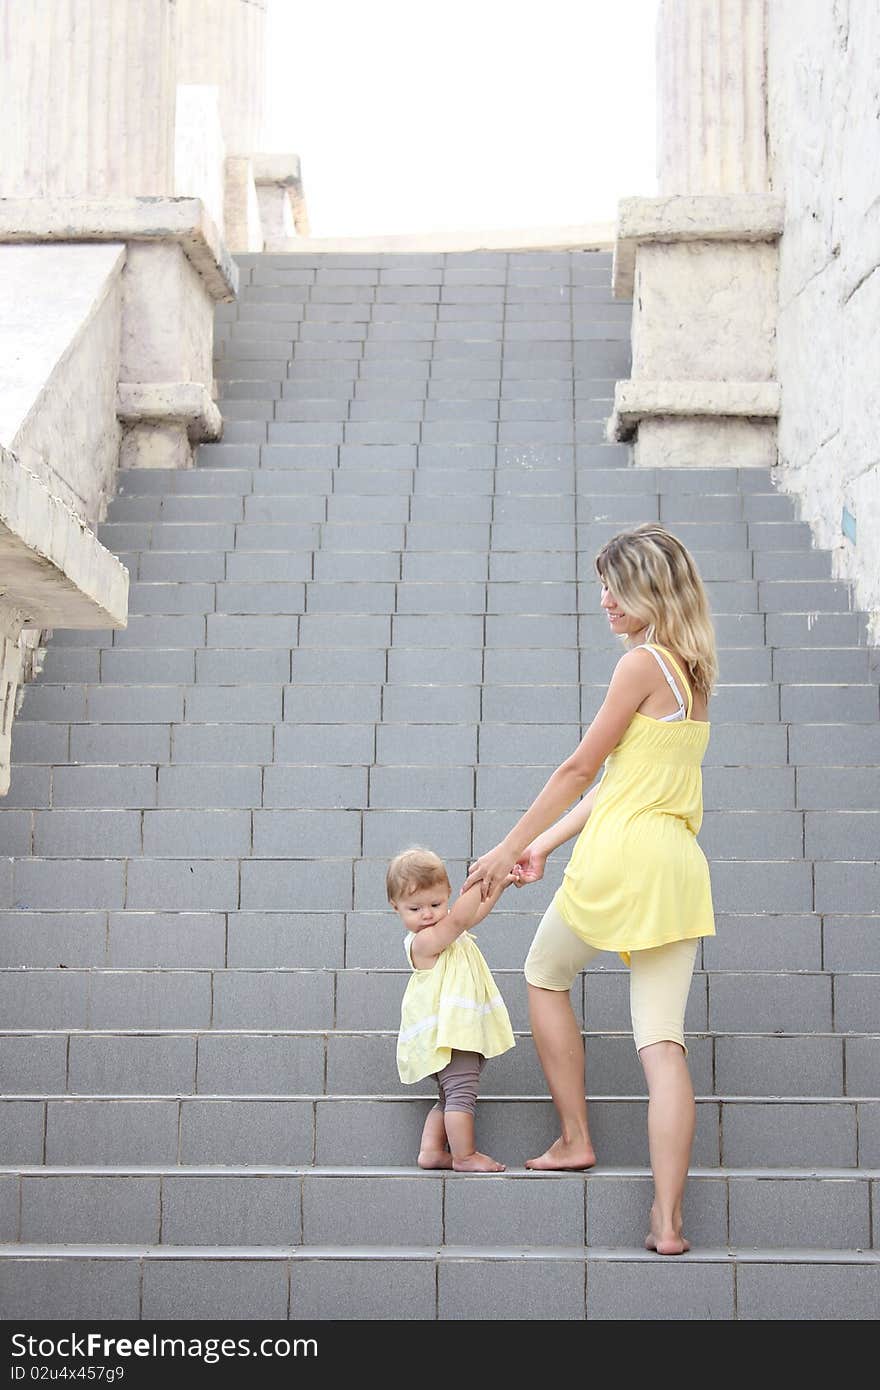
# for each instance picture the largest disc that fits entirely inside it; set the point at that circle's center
(560, 1049)
(671, 1123)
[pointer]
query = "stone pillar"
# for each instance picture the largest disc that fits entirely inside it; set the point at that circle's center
(701, 261)
(711, 97)
(87, 98)
(283, 214)
(222, 43)
(241, 215)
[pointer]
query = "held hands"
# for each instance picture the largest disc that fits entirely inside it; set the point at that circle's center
(490, 870)
(495, 868)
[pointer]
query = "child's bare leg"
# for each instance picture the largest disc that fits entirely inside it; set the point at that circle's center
(433, 1152)
(459, 1082)
(466, 1158)
(560, 1049)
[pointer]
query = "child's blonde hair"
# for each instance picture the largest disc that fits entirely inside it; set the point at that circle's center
(414, 869)
(653, 577)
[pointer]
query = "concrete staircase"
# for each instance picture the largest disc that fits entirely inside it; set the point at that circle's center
(370, 617)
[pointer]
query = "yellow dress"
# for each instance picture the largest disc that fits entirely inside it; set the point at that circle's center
(637, 877)
(453, 1004)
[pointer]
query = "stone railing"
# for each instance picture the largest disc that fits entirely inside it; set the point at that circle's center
(106, 327)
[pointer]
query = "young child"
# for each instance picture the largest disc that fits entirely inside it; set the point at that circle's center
(452, 1016)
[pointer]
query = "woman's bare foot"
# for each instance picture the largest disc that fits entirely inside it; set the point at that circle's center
(667, 1245)
(666, 1240)
(666, 1236)
(563, 1157)
(434, 1158)
(477, 1163)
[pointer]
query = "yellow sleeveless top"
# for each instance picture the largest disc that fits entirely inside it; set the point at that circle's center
(637, 877)
(453, 1004)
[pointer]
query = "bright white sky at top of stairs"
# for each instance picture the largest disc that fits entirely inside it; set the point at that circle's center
(431, 115)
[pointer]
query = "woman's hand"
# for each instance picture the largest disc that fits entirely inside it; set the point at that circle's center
(530, 865)
(490, 870)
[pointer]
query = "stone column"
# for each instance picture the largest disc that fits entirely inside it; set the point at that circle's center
(222, 43)
(711, 97)
(87, 98)
(701, 261)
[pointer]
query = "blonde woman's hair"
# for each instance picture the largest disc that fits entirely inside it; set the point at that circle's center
(653, 577)
(412, 870)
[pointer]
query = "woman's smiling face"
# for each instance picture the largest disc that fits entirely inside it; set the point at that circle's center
(619, 622)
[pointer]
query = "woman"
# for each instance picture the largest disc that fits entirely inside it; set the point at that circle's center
(637, 881)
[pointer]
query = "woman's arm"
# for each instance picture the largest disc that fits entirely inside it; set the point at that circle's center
(529, 868)
(564, 829)
(630, 685)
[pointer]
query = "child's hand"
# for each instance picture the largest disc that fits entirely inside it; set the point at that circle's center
(529, 867)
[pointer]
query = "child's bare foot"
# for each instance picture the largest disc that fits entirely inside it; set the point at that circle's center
(563, 1156)
(434, 1158)
(477, 1163)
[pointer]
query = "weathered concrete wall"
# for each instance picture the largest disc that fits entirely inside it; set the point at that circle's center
(824, 134)
(60, 311)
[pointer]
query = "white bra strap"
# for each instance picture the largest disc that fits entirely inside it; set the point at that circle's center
(670, 681)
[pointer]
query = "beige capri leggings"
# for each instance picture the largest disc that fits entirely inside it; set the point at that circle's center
(660, 978)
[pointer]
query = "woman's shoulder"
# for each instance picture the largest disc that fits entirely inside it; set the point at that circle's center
(638, 662)
(635, 655)
(646, 654)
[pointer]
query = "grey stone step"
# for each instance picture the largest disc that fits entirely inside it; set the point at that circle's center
(73, 669)
(357, 999)
(122, 536)
(336, 773)
(506, 776)
(279, 582)
(332, 938)
(554, 503)
(249, 408)
(734, 1131)
(368, 1207)
(315, 1282)
(285, 1061)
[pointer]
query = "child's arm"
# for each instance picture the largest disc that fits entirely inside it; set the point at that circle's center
(466, 912)
(530, 865)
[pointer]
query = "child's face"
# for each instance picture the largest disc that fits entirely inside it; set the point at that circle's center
(418, 908)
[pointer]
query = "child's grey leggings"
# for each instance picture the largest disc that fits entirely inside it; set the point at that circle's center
(458, 1082)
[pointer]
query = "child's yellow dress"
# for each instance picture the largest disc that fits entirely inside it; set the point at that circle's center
(454, 1004)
